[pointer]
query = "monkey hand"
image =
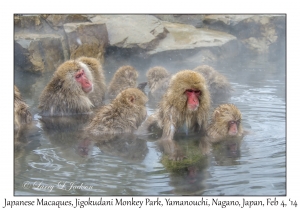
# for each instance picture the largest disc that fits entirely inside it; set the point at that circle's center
(172, 149)
(204, 146)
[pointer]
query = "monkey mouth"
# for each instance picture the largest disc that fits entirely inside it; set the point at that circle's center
(88, 89)
(232, 133)
(193, 107)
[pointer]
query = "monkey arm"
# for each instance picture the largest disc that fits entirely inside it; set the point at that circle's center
(145, 126)
(170, 147)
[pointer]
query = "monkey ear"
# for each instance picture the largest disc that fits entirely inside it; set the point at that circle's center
(217, 114)
(131, 99)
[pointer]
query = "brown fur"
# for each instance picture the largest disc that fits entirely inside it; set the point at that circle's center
(173, 112)
(123, 115)
(218, 128)
(158, 81)
(64, 96)
(22, 114)
(218, 85)
(125, 77)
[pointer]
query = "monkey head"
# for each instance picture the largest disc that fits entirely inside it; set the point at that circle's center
(75, 76)
(227, 119)
(187, 91)
(131, 97)
(129, 74)
(155, 74)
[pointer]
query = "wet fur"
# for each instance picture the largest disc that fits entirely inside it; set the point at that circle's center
(218, 128)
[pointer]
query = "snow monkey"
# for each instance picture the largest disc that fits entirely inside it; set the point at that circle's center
(75, 88)
(186, 102)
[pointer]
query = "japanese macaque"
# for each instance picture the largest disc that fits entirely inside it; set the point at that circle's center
(75, 88)
(158, 81)
(186, 102)
(22, 114)
(123, 115)
(125, 77)
(225, 123)
(218, 85)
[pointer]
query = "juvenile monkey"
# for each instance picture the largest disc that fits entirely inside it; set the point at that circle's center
(22, 114)
(125, 77)
(158, 80)
(186, 102)
(70, 88)
(123, 115)
(225, 123)
(218, 85)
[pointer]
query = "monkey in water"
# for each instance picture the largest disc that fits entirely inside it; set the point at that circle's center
(123, 115)
(125, 77)
(71, 88)
(22, 114)
(225, 123)
(158, 80)
(186, 102)
(218, 85)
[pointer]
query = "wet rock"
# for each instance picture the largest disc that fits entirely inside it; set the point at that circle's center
(132, 31)
(38, 52)
(87, 39)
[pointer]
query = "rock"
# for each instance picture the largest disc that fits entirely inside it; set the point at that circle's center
(256, 32)
(38, 52)
(132, 31)
(87, 39)
(194, 46)
(28, 23)
(57, 21)
(195, 20)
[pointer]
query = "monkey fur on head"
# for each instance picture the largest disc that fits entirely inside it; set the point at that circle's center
(125, 77)
(158, 80)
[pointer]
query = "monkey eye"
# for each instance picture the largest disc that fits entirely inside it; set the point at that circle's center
(197, 91)
(232, 122)
(78, 75)
(189, 90)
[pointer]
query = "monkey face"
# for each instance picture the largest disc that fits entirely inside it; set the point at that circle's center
(83, 80)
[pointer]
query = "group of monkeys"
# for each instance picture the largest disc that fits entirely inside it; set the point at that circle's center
(183, 99)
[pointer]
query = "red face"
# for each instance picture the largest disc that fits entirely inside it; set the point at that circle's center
(193, 98)
(85, 83)
(233, 127)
